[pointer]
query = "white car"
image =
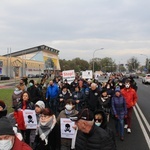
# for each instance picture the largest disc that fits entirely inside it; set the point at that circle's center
(146, 79)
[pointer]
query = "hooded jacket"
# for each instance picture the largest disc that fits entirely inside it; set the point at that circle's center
(104, 125)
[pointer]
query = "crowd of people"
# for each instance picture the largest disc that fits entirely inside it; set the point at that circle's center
(88, 103)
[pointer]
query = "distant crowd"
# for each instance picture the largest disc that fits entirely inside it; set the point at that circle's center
(86, 102)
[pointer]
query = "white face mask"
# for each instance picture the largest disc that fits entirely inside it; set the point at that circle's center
(98, 123)
(16, 89)
(31, 84)
(127, 85)
(68, 107)
(6, 144)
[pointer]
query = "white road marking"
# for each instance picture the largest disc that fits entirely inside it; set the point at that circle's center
(142, 127)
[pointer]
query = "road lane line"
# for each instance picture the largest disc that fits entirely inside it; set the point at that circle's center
(143, 117)
(142, 127)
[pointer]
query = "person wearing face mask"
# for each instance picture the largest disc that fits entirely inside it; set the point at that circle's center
(100, 120)
(64, 94)
(16, 96)
(130, 96)
(34, 92)
(120, 112)
(47, 133)
(68, 112)
(8, 140)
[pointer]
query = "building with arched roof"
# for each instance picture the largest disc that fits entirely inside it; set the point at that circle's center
(35, 60)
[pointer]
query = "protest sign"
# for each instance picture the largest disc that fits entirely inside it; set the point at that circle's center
(30, 119)
(67, 130)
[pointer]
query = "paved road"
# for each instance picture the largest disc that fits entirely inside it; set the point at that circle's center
(136, 140)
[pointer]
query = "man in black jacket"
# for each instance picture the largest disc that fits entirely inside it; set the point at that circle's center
(90, 136)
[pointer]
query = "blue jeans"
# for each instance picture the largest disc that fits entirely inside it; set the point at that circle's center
(119, 125)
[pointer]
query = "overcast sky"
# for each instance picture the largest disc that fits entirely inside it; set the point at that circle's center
(78, 27)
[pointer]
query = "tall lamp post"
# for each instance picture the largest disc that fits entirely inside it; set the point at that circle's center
(147, 66)
(93, 56)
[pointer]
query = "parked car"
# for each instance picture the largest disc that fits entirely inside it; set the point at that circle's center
(4, 77)
(146, 79)
(31, 76)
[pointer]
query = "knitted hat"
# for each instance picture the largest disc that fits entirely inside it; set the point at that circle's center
(117, 89)
(40, 104)
(2, 104)
(6, 127)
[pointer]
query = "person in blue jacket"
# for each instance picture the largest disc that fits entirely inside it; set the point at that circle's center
(52, 96)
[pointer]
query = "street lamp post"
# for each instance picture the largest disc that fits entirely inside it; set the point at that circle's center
(93, 56)
(147, 61)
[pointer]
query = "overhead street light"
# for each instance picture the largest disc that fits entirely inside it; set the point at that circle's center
(93, 56)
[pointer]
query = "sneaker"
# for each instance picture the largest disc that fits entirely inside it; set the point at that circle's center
(125, 126)
(128, 130)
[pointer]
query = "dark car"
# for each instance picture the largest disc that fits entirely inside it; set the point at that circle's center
(31, 76)
(4, 77)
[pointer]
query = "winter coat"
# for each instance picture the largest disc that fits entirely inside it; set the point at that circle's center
(104, 125)
(18, 114)
(96, 139)
(34, 93)
(130, 96)
(53, 140)
(78, 96)
(52, 92)
(64, 97)
(105, 103)
(119, 106)
(20, 145)
(92, 99)
(62, 114)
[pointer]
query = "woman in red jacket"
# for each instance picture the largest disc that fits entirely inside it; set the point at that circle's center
(24, 103)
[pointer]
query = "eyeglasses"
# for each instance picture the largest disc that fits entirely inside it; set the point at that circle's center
(99, 120)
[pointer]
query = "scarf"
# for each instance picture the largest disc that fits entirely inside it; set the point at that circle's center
(44, 130)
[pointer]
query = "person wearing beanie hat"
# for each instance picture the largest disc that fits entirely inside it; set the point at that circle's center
(39, 107)
(120, 112)
(3, 109)
(8, 140)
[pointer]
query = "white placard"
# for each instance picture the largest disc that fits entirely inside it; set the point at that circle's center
(67, 130)
(88, 74)
(30, 119)
(69, 75)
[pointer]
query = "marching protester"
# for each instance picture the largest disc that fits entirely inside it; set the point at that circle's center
(89, 136)
(105, 103)
(24, 103)
(16, 96)
(78, 97)
(64, 94)
(8, 139)
(48, 132)
(23, 85)
(34, 92)
(120, 112)
(52, 96)
(130, 96)
(92, 97)
(100, 120)
(67, 113)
